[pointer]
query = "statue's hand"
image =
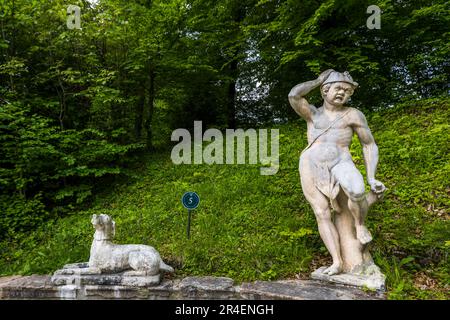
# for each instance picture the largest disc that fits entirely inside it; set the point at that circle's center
(377, 186)
(324, 75)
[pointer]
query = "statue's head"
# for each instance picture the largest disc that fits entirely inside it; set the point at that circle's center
(105, 225)
(338, 88)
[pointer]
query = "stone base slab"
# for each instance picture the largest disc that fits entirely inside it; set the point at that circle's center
(79, 274)
(301, 290)
(375, 281)
(38, 287)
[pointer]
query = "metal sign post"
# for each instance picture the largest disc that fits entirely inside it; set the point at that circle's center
(190, 201)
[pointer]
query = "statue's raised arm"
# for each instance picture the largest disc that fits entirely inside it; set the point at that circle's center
(298, 93)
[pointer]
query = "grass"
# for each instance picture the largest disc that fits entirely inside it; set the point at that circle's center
(250, 226)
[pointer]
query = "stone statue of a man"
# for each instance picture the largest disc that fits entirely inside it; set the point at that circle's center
(328, 174)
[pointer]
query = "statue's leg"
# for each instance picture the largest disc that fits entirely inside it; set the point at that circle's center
(144, 261)
(352, 182)
(320, 205)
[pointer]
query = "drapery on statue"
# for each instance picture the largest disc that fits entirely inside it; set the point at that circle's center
(329, 176)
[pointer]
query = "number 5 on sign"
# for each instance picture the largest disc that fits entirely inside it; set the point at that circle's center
(190, 200)
(74, 17)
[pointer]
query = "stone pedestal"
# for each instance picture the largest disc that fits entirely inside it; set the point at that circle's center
(372, 279)
(41, 287)
(79, 274)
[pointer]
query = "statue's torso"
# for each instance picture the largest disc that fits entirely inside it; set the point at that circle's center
(333, 145)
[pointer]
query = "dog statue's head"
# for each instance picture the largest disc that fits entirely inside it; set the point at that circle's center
(105, 227)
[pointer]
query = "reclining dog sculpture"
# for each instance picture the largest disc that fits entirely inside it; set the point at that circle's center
(107, 257)
(113, 264)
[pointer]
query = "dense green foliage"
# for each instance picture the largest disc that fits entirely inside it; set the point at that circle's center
(75, 104)
(41, 164)
(250, 226)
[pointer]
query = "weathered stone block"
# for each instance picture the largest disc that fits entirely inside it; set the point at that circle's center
(40, 287)
(300, 290)
(207, 287)
(373, 281)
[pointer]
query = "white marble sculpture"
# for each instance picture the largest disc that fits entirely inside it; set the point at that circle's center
(330, 179)
(114, 264)
(108, 257)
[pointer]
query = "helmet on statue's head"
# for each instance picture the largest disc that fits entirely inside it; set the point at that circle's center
(340, 77)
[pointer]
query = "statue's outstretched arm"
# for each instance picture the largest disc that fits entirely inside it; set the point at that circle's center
(370, 151)
(298, 93)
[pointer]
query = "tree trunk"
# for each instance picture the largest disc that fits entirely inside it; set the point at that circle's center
(139, 117)
(231, 107)
(63, 112)
(238, 13)
(151, 101)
